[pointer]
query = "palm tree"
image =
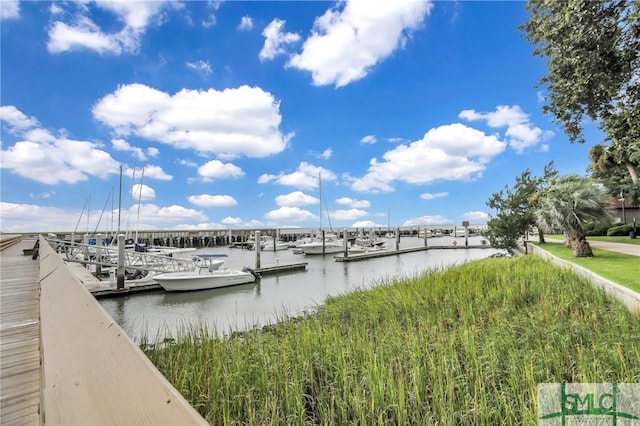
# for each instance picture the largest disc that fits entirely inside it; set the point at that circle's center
(568, 204)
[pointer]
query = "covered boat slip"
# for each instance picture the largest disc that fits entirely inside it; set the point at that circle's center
(92, 372)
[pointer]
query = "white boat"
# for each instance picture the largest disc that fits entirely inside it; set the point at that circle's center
(207, 275)
(356, 248)
(331, 244)
(280, 245)
(459, 232)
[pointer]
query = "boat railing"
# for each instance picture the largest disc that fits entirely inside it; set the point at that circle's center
(107, 256)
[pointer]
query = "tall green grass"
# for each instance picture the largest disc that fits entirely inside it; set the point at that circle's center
(466, 345)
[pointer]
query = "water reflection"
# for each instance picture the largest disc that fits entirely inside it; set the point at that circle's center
(274, 296)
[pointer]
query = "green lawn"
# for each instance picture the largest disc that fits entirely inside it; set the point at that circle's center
(624, 240)
(623, 269)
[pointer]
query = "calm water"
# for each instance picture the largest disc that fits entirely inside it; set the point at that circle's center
(276, 296)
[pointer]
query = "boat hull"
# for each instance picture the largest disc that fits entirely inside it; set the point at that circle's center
(184, 281)
(317, 249)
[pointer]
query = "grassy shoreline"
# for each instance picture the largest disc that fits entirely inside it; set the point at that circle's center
(466, 345)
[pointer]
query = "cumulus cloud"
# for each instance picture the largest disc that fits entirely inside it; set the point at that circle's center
(201, 67)
(521, 132)
(33, 218)
(427, 220)
(306, 177)
(352, 37)
(47, 158)
(150, 171)
(357, 204)
(476, 217)
(295, 199)
(144, 192)
(216, 169)
(139, 153)
(290, 214)
(350, 214)
(326, 154)
(83, 33)
(451, 152)
(246, 23)
(275, 40)
(227, 123)
(207, 200)
(239, 223)
(433, 196)
(369, 139)
(9, 9)
(15, 121)
(366, 224)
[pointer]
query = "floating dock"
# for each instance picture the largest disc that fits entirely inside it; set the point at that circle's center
(147, 285)
(384, 253)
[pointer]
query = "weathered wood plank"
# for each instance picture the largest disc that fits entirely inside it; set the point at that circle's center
(19, 336)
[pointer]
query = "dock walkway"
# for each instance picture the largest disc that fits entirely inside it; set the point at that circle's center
(19, 334)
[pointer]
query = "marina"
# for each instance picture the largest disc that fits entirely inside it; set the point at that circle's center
(284, 293)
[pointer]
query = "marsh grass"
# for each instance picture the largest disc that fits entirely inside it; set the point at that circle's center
(466, 345)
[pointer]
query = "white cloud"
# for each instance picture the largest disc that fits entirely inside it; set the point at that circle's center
(369, 139)
(239, 223)
(306, 177)
(34, 218)
(521, 133)
(150, 171)
(427, 220)
(122, 145)
(228, 123)
(145, 192)
(216, 169)
(246, 23)
(45, 195)
(54, 9)
(83, 33)
(51, 159)
(356, 204)
(476, 217)
(275, 39)
(290, 214)
(156, 217)
(15, 120)
(188, 163)
(213, 6)
(9, 9)
(203, 226)
(296, 198)
(200, 66)
(433, 196)
(206, 200)
(350, 214)
(350, 39)
(326, 154)
(451, 152)
(366, 224)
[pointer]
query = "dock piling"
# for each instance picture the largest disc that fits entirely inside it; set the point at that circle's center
(258, 249)
(120, 271)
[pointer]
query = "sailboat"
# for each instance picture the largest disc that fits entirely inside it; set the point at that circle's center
(389, 234)
(319, 245)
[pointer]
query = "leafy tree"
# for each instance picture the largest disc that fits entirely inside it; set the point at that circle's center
(569, 204)
(593, 64)
(614, 177)
(515, 209)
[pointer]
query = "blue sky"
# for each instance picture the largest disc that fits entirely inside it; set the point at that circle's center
(224, 114)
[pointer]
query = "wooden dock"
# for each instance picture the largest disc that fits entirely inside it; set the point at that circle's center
(145, 286)
(19, 334)
(384, 253)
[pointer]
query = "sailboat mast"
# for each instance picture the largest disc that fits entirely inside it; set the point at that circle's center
(320, 191)
(119, 201)
(139, 199)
